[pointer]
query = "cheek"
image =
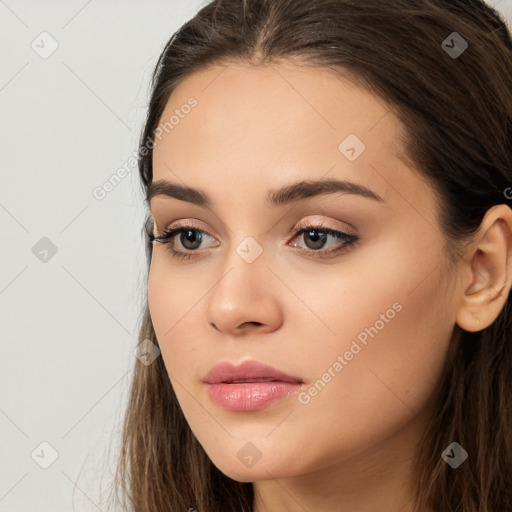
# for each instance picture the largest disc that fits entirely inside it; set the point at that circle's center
(161, 300)
(406, 317)
(169, 300)
(393, 325)
(388, 297)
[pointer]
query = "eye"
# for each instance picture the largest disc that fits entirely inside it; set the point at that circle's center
(190, 237)
(316, 238)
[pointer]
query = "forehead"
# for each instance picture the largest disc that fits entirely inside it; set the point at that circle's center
(253, 127)
(276, 104)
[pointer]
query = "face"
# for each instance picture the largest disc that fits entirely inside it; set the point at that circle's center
(346, 291)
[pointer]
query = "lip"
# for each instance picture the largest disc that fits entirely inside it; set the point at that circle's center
(249, 386)
(247, 371)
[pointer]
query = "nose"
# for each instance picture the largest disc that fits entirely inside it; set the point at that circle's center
(245, 299)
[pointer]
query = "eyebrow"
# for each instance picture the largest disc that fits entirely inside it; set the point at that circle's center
(285, 195)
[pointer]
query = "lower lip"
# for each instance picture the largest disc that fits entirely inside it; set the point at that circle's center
(250, 396)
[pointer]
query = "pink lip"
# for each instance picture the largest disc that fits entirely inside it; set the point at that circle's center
(228, 385)
(248, 370)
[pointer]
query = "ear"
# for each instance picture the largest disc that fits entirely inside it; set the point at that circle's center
(486, 271)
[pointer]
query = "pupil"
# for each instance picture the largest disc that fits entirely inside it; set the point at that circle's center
(189, 236)
(318, 240)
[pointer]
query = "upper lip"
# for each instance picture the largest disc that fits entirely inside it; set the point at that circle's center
(247, 371)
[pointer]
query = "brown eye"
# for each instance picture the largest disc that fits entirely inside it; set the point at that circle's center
(190, 239)
(316, 237)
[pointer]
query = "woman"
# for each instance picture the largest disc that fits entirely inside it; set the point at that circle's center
(329, 252)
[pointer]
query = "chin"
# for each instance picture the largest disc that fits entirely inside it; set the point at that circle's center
(260, 470)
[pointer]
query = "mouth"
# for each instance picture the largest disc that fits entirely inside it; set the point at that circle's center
(249, 386)
(247, 372)
(250, 394)
(242, 381)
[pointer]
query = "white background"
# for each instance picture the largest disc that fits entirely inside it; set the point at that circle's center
(69, 325)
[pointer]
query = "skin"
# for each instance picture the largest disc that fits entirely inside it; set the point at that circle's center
(256, 129)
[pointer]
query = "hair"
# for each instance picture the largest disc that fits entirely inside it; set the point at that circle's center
(457, 118)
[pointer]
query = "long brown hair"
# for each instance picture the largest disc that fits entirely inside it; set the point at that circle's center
(457, 114)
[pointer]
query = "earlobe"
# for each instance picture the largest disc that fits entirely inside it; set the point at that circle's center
(487, 269)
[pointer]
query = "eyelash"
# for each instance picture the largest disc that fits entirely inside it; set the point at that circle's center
(348, 239)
